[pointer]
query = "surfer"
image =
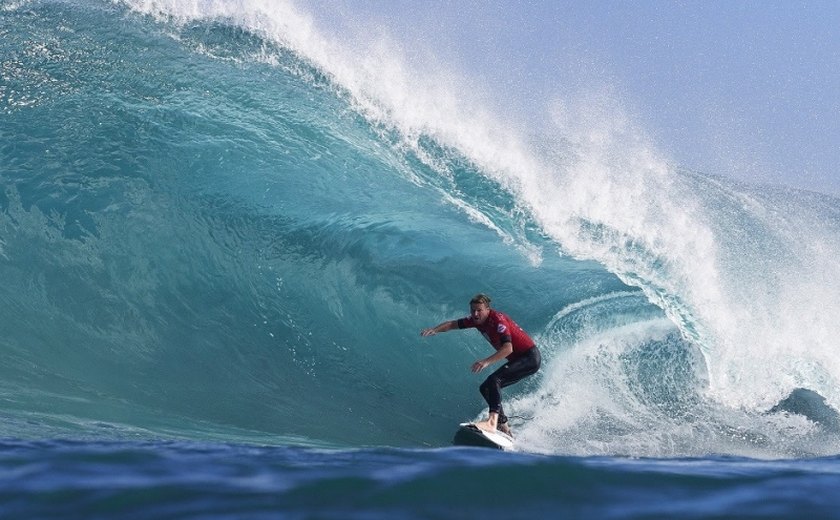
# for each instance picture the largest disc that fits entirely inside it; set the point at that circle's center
(511, 343)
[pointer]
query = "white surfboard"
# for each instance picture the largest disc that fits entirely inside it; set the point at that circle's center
(469, 434)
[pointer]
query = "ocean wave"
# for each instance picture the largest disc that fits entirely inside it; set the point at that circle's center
(217, 222)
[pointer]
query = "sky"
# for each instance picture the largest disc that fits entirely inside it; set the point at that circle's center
(745, 89)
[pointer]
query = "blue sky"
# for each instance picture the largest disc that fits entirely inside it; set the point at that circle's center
(746, 89)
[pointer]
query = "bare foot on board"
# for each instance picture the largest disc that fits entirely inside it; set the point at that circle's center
(486, 426)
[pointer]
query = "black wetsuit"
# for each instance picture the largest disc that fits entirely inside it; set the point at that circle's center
(511, 372)
(523, 361)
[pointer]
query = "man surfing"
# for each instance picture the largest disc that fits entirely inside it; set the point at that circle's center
(510, 342)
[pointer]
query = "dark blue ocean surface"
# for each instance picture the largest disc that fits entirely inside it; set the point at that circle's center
(60, 479)
(222, 230)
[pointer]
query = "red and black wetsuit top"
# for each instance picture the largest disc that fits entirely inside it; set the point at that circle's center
(499, 329)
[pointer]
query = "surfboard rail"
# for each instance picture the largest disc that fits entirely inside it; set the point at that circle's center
(468, 434)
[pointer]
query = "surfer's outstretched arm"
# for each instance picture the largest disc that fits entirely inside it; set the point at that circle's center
(443, 327)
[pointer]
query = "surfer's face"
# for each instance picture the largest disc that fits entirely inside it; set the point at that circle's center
(479, 312)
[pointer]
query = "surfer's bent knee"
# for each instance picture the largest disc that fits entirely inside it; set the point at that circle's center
(491, 381)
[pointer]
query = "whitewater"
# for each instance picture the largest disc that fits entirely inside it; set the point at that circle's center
(222, 230)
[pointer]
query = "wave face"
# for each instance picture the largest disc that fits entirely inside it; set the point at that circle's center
(216, 222)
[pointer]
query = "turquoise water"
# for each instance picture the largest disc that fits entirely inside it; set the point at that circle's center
(220, 229)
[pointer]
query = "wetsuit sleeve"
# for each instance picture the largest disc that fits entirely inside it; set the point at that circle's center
(465, 323)
(504, 329)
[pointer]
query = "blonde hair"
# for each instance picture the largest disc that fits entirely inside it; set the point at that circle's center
(480, 298)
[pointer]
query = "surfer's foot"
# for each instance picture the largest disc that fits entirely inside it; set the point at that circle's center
(504, 428)
(487, 426)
